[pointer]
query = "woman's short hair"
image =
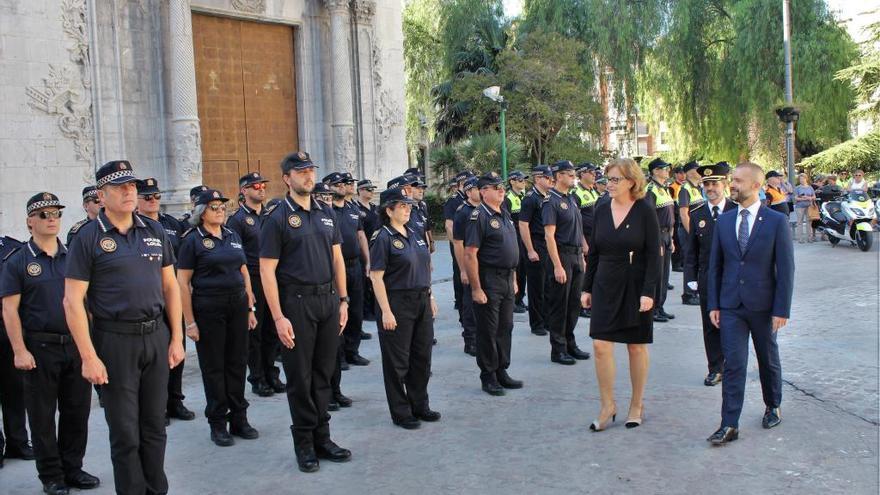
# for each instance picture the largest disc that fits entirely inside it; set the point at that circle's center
(631, 171)
(196, 218)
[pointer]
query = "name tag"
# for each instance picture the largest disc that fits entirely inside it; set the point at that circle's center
(235, 245)
(327, 221)
(152, 242)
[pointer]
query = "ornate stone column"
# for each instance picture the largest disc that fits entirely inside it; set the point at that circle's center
(364, 45)
(184, 137)
(341, 85)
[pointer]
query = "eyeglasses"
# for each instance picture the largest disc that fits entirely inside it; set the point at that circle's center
(94, 201)
(859, 175)
(47, 214)
(496, 187)
(150, 197)
(217, 207)
(615, 180)
(259, 186)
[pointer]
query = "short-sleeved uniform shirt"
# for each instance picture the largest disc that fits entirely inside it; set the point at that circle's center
(215, 261)
(405, 259)
(422, 209)
(349, 218)
(493, 233)
(302, 241)
(75, 228)
(452, 204)
(531, 212)
(39, 279)
(689, 195)
(8, 245)
(174, 229)
(658, 196)
(369, 217)
(247, 224)
(124, 271)
(460, 222)
(563, 211)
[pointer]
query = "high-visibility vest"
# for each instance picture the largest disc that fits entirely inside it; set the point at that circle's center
(694, 194)
(661, 194)
(515, 201)
(676, 188)
(776, 196)
(586, 196)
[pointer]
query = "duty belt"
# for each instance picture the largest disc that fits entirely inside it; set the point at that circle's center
(128, 327)
(309, 290)
(48, 337)
(562, 248)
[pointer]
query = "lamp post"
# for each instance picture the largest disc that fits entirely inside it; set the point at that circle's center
(494, 94)
(789, 114)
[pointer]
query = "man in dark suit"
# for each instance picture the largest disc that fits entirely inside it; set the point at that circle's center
(751, 275)
(698, 242)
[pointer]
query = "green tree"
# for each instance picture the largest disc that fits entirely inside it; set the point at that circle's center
(864, 75)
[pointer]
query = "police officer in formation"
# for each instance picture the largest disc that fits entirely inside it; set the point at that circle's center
(566, 247)
(689, 198)
(449, 208)
(399, 269)
(696, 266)
(658, 196)
(91, 204)
(32, 288)
(516, 191)
(370, 218)
(420, 207)
(149, 205)
(491, 257)
(531, 231)
(459, 231)
(122, 264)
(193, 194)
(303, 274)
(587, 197)
(675, 185)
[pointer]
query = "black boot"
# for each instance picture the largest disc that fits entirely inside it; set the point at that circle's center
(220, 436)
(306, 459)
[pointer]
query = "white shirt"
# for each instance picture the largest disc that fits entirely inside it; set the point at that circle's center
(753, 216)
(858, 186)
(720, 206)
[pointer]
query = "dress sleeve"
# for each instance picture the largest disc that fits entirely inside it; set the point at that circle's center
(80, 257)
(593, 252)
(379, 254)
(271, 238)
(652, 250)
(11, 277)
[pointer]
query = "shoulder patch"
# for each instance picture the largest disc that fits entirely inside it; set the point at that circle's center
(475, 214)
(269, 209)
(78, 225)
(375, 235)
(187, 231)
(10, 253)
(695, 208)
(459, 207)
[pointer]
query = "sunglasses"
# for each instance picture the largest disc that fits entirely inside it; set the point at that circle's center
(217, 207)
(47, 214)
(259, 186)
(150, 197)
(615, 180)
(94, 201)
(496, 187)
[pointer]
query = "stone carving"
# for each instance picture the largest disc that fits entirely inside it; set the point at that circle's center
(337, 5)
(389, 113)
(364, 10)
(188, 150)
(66, 92)
(252, 6)
(343, 147)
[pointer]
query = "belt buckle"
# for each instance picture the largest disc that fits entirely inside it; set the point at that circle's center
(146, 326)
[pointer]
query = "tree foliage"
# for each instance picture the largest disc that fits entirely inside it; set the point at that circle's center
(480, 153)
(859, 153)
(864, 76)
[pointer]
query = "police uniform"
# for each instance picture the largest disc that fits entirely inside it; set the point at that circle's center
(370, 219)
(404, 258)
(536, 274)
(89, 193)
(513, 205)
(699, 241)
(126, 300)
(690, 197)
(587, 197)
(56, 383)
(220, 309)
(263, 344)
(675, 190)
(193, 194)
(11, 384)
(494, 235)
(658, 196)
(563, 300)
(466, 307)
(449, 208)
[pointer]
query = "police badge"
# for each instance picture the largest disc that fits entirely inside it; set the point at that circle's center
(34, 269)
(108, 245)
(208, 243)
(295, 221)
(397, 243)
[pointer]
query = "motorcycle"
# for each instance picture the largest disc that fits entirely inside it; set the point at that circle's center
(849, 218)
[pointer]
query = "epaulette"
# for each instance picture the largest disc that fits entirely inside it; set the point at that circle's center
(375, 235)
(270, 208)
(460, 207)
(10, 253)
(475, 214)
(78, 225)
(695, 208)
(187, 231)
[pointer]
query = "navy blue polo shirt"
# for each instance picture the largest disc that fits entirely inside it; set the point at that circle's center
(302, 241)
(7, 246)
(460, 222)
(216, 262)
(124, 272)
(173, 229)
(405, 259)
(418, 221)
(369, 217)
(530, 212)
(39, 278)
(247, 224)
(495, 236)
(563, 211)
(451, 205)
(422, 209)
(349, 217)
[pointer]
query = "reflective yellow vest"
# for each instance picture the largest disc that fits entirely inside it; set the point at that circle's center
(661, 194)
(515, 201)
(694, 194)
(587, 197)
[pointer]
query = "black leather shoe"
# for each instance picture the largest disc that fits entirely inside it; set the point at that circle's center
(333, 406)
(179, 411)
(434, 342)
(242, 429)
(586, 313)
(306, 460)
(659, 318)
(771, 418)
(562, 358)
(344, 366)
(55, 488)
(428, 415)
(366, 335)
(470, 349)
(712, 379)
(410, 423)
(668, 316)
(519, 308)
(25, 452)
(690, 300)
(670, 287)
(492, 387)
(342, 400)
(506, 381)
(577, 353)
(220, 436)
(262, 389)
(357, 360)
(82, 480)
(332, 452)
(277, 385)
(725, 434)
(539, 331)
(677, 268)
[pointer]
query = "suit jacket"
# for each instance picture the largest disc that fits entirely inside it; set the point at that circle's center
(761, 277)
(699, 244)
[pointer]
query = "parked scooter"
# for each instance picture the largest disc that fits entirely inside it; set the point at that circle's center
(848, 218)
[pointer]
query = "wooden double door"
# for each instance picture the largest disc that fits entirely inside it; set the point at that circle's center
(246, 90)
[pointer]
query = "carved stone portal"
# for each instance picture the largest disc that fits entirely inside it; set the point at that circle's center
(251, 6)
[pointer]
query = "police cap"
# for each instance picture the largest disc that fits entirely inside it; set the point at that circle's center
(298, 160)
(115, 172)
(148, 186)
(209, 195)
(250, 179)
(43, 200)
(657, 163)
(715, 172)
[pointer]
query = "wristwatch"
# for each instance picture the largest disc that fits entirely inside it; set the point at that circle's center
(345, 299)
(252, 309)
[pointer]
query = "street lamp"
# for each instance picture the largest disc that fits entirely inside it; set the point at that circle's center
(494, 94)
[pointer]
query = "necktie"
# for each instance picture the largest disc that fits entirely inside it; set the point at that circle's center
(715, 212)
(743, 230)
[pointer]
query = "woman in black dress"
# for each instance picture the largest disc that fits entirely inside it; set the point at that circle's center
(623, 265)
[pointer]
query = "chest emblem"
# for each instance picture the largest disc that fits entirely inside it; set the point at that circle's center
(397, 243)
(495, 223)
(34, 269)
(702, 223)
(208, 243)
(295, 221)
(249, 220)
(564, 206)
(108, 245)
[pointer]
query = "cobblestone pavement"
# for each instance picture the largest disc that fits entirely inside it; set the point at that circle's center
(536, 440)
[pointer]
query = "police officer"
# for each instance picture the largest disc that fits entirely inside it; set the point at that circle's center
(587, 197)
(421, 207)
(303, 275)
(702, 226)
(218, 308)
(263, 345)
(531, 231)
(399, 268)
(370, 219)
(491, 258)
(689, 197)
(91, 205)
(459, 231)
(351, 200)
(32, 288)
(149, 205)
(601, 184)
(678, 179)
(658, 196)
(193, 194)
(123, 264)
(516, 191)
(449, 208)
(566, 245)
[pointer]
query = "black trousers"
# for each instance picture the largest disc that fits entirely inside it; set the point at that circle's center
(679, 239)
(406, 352)
(456, 276)
(466, 316)
(564, 300)
(310, 364)
(263, 343)
(711, 340)
(682, 234)
(521, 270)
(354, 281)
(222, 350)
(369, 300)
(494, 321)
(175, 380)
(11, 398)
(57, 385)
(135, 397)
(536, 278)
(666, 267)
